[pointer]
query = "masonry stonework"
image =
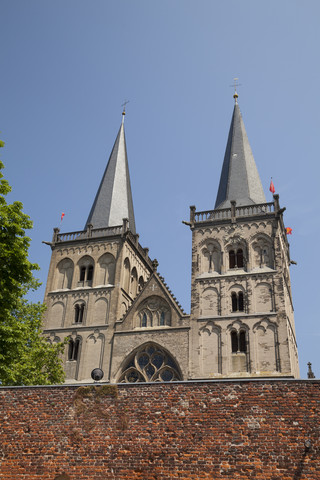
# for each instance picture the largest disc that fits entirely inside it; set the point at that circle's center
(252, 429)
(105, 295)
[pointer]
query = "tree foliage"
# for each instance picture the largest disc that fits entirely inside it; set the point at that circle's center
(26, 357)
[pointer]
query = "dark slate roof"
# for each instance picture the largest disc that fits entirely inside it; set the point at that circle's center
(113, 201)
(239, 179)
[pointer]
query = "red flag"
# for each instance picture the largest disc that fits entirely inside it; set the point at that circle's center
(62, 215)
(271, 188)
(289, 231)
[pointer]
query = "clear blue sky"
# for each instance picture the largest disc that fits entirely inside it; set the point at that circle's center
(66, 68)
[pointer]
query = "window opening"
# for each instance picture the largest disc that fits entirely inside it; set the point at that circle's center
(240, 302)
(150, 364)
(144, 320)
(78, 313)
(240, 258)
(162, 318)
(90, 273)
(82, 274)
(238, 342)
(237, 302)
(73, 350)
(242, 341)
(232, 259)
(234, 342)
(234, 300)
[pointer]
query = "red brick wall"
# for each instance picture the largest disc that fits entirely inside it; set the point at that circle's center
(195, 430)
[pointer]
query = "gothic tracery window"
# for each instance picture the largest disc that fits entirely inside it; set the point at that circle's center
(150, 363)
(154, 312)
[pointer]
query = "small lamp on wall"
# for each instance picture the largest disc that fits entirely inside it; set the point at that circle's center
(97, 374)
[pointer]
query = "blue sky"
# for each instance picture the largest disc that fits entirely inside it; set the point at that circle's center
(68, 65)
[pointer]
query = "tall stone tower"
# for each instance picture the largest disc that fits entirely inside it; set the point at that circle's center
(95, 274)
(105, 294)
(241, 321)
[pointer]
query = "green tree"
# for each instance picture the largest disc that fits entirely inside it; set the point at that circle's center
(26, 357)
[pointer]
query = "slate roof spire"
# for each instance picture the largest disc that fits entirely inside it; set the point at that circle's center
(239, 179)
(113, 201)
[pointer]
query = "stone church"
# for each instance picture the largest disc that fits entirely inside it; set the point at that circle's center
(104, 292)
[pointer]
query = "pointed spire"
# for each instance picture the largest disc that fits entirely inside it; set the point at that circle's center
(113, 200)
(239, 179)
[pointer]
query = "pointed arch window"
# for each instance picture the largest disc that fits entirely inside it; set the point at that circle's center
(162, 318)
(73, 350)
(150, 363)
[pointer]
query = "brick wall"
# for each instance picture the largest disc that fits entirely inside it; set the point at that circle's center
(195, 430)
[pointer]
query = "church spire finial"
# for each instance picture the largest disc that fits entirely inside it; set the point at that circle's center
(124, 109)
(235, 85)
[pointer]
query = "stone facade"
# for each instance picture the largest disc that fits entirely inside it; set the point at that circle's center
(241, 305)
(105, 295)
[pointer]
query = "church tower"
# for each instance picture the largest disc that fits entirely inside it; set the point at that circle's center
(241, 321)
(106, 296)
(96, 273)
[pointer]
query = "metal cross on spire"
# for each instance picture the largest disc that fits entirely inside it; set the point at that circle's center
(235, 85)
(124, 106)
(124, 109)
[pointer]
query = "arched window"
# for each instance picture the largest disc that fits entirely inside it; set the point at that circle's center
(153, 312)
(78, 312)
(73, 351)
(236, 258)
(86, 268)
(237, 302)
(238, 341)
(150, 363)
